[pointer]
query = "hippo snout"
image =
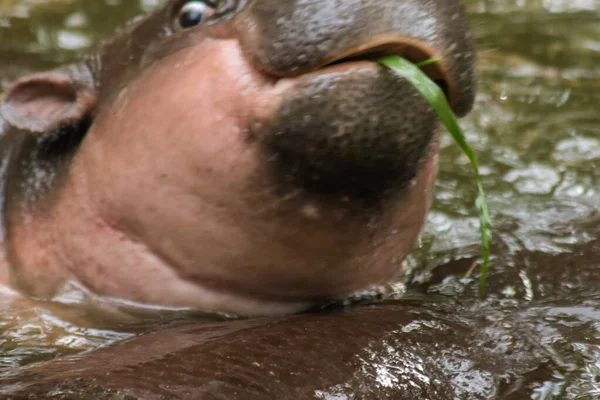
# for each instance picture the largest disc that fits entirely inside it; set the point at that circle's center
(290, 38)
(346, 122)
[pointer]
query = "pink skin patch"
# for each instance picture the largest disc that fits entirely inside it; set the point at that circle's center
(170, 202)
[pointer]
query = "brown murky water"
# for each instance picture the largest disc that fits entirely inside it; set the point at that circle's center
(536, 128)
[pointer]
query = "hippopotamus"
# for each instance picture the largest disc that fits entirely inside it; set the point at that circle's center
(239, 156)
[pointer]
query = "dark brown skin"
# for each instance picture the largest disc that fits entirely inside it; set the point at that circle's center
(256, 163)
(406, 350)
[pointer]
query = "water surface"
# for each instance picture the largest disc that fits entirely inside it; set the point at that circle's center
(536, 129)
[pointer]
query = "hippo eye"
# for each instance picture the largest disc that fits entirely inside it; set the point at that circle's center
(194, 13)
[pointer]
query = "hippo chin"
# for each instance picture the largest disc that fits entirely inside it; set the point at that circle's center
(244, 156)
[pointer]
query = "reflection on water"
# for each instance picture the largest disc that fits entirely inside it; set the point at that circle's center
(31, 332)
(536, 128)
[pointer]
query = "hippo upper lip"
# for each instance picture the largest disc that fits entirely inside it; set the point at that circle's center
(412, 50)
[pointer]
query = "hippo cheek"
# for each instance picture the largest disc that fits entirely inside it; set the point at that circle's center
(172, 148)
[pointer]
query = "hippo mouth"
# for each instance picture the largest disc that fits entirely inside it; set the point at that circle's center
(412, 51)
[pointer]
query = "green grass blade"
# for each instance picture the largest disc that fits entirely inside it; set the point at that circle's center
(428, 62)
(437, 99)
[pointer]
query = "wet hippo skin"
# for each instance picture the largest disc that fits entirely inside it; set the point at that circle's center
(238, 156)
(413, 349)
(425, 346)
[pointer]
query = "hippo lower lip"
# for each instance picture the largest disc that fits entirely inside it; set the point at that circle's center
(350, 126)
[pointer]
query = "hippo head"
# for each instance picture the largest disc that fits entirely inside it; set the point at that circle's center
(234, 155)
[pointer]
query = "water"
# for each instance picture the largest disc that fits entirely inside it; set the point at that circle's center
(536, 129)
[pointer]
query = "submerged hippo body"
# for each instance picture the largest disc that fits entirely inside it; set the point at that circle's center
(245, 156)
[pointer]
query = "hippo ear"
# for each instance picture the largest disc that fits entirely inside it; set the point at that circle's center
(43, 102)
